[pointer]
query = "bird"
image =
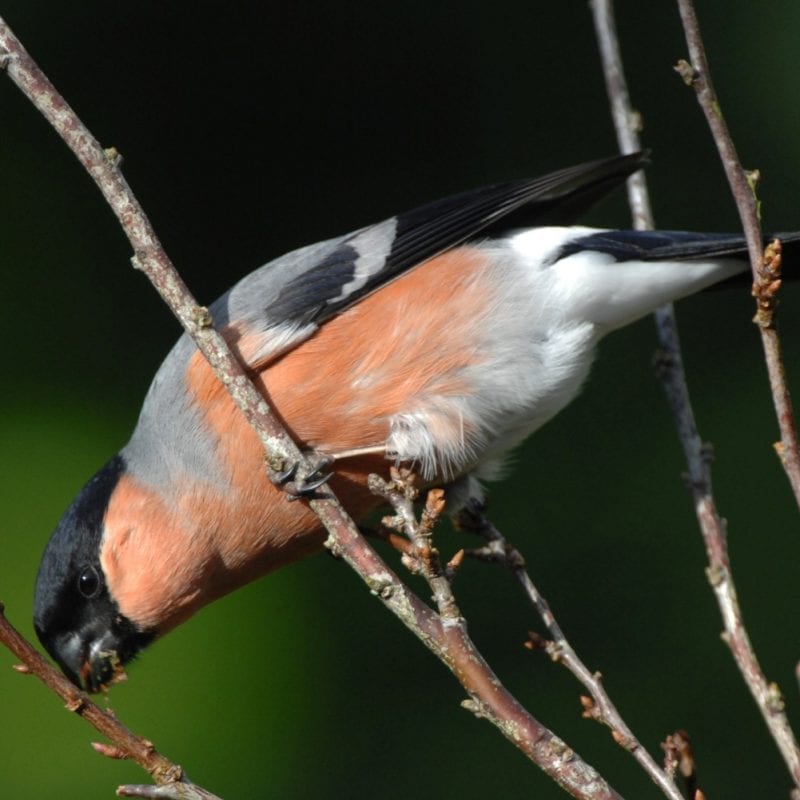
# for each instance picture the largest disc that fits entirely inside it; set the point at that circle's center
(440, 338)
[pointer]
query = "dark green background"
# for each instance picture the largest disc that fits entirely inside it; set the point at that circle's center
(251, 128)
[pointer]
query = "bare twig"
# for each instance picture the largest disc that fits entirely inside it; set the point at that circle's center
(698, 75)
(670, 368)
(125, 742)
(679, 757)
(172, 791)
(600, 706)
(448, 639)
(423, 558)
(767, 695)
(627, 122)
(445, 637)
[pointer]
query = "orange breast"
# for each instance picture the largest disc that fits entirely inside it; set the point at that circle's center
(336, 391)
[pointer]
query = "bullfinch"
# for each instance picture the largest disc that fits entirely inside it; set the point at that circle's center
(439, 338)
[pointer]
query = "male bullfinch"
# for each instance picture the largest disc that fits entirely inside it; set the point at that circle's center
(441, 338)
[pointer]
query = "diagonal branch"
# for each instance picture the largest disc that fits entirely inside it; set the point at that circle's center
(126, 744)
(446, 638)
(599, 706)
(672, 374)
(698, 75)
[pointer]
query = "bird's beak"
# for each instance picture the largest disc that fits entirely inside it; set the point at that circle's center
(92, 665)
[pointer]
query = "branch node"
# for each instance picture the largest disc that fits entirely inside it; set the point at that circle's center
(561, 750)
(454, 564)
(23, 669)
(590, 709)
(775, 701)
(394, 522)
(412, 563)
(536, 641)
(110, 751)
(380, 586)
(624, 741)
(279, 466)
(333, 546)
(113, 156)
(75, 704)
(753, 178)
(434, 508)
(555, 650)
(679, 757)
(202, 317)
(474, 707)
(716, 574)
(767, 284)
(687, 72)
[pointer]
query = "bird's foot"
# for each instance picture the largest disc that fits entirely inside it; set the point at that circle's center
(299, 483)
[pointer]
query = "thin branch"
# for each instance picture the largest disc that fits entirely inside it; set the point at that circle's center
(447, 638)
(627, 122)
(671, 371)
(126, 743)
(448, 641)
(172, 791)
(600, 706)
(423, 558)
(679, 757)
(698, 75)
(767, 695)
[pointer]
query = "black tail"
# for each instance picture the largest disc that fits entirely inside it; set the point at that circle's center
(686, 246)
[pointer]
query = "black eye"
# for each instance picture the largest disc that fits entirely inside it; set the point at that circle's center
(88, 582)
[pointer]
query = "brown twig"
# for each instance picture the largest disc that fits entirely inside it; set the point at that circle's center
(698, 75)
(600, 706)
(172, 791)
(670, 368)
(446, 638)
(126, 743)
(627, 122)
(423, 558)
(679, 757)
(767, 695)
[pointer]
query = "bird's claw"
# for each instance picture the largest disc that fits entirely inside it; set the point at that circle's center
(297, 487)
(282, 476)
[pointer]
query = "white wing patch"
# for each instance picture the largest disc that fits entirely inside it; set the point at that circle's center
(373, 245)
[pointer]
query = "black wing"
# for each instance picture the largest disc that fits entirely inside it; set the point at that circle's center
(366, 259)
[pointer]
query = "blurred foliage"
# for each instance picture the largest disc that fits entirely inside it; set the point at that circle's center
(251, 128)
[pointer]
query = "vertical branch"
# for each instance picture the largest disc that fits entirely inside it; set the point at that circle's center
(671, 371)
(698, 75)
(627, 122)
(767, 695)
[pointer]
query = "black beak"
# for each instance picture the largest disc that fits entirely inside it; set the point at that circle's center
(92, 664)
(93, 658)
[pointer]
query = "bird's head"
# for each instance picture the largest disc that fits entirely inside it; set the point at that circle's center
(76, 618)
(131, 559)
